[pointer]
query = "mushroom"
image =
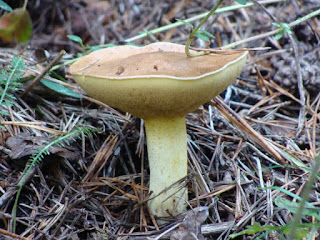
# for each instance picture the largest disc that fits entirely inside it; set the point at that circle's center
(159, 84)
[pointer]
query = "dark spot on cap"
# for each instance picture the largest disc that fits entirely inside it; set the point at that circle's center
(120, 70)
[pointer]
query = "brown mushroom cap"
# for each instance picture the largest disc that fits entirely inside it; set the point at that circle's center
(157, 80)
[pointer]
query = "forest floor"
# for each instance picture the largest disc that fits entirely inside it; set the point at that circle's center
(251, 151)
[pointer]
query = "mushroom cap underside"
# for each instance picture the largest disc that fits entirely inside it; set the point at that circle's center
(158, 80)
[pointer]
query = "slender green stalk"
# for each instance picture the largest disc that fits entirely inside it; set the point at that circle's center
(14, 209)
(25, 4)
(7, 86)
(10, 80)
(305, 197)
(273, 32)
(304, 18)
(195, 30)
(195, 18)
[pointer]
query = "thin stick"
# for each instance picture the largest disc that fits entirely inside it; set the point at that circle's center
(12, 235)
(301, 88)
(47, 69)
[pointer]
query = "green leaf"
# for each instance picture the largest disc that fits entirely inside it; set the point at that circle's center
(5, 6)
(129, 44)
(202, 37)
(207, 33)
(282, 28)
(255, 228)
(3, 114)
(75, 38)
(243, 2)
(286, 28)
(287, 155)
(278, 36)
(9, 79)
(293, 206)
(291, 194)
(276, 24)
(184, 22)
(18, 64)
(60, 88)
(16, 26)
(94, 48)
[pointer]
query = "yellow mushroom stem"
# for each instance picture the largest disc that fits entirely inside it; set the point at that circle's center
(167, 153)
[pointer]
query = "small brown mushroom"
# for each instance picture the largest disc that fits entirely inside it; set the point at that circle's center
(160, 84)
